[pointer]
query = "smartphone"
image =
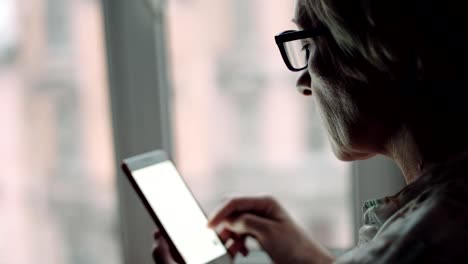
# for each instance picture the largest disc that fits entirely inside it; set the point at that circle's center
(173, 207)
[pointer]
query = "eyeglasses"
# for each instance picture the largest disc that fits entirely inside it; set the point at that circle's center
(294, 52)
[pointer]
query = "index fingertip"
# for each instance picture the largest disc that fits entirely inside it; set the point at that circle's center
(211, 224)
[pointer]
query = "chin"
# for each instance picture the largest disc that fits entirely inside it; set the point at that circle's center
(348, 154)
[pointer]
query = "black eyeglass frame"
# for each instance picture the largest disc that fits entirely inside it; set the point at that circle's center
(291, 35)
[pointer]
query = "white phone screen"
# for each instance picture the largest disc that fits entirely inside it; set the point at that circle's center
(179, 213)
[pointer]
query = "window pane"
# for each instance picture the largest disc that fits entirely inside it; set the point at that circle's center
(57, 194)
(240, 125)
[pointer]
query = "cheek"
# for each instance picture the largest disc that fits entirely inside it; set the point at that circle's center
(331, 112)
(333, 99)
(344, 129)
(358, 125)
(347, 127)
(353, 113)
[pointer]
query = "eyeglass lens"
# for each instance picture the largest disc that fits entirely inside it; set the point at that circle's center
(297, 55)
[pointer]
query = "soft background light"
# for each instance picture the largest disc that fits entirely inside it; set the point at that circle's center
(240, 125)
(57, 190)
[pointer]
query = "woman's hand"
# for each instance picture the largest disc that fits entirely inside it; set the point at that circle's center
(162, 253)
(265, 220)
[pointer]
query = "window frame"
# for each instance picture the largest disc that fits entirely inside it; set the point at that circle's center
(140, 108)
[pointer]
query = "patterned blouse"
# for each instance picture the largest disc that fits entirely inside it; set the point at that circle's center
(426, 222)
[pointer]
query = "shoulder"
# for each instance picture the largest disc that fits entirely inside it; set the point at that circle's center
(431, 228)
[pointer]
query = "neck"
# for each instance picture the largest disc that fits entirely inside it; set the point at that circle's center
(403, 149)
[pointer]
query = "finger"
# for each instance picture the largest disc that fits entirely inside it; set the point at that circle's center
(156, 234)
(243, 247)
(159, 240)
(245, 251)
(265, 206)
(161, 253)
(252, 225)
(175, 255)
(238, 246)
(226, 234)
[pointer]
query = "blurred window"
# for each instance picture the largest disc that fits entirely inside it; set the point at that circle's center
(240, 125)
(57, 190)
(58, 25)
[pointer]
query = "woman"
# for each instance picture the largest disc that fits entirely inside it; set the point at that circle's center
(388, 78)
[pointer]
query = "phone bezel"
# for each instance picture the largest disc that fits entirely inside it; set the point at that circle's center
(147, 159)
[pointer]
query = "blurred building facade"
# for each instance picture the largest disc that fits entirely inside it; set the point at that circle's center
(57, 182)
(240, 126)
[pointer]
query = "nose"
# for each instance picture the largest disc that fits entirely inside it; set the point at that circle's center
(304, 83)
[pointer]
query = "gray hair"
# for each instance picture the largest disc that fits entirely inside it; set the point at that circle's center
(419, 46)
(430, 35)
